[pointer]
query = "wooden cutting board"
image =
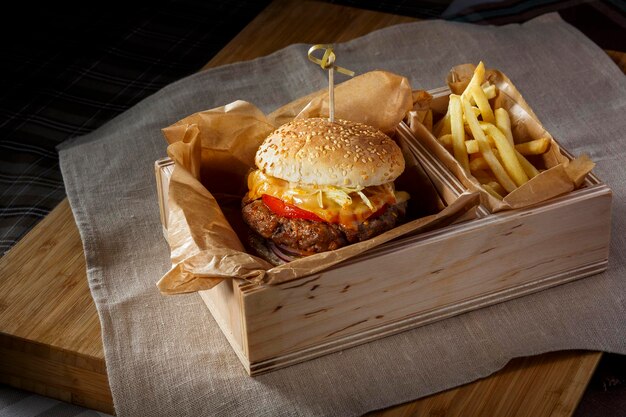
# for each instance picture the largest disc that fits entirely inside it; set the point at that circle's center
(50, 341)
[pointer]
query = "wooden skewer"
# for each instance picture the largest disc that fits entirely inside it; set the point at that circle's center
(328, 62)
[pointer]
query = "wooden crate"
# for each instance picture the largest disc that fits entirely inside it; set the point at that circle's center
(416, 280)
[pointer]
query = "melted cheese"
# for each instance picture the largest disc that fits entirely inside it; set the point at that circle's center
(346, 206)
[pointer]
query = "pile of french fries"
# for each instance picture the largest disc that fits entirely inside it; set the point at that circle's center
(481, 140)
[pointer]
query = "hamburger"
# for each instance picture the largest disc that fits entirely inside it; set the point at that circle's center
(321, 185)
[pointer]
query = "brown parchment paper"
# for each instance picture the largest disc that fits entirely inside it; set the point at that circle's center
(213, 152)
(375, 98)
(560, 175)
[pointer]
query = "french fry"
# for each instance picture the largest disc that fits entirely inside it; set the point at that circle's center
(533, 147)
(483, 104)
(477, 79)
(508, 156)
(503, 122)
(495, 150)
(458, 133)
(529, 168)
(442, 127)
(478, 164)
(446, 140)
(485, 149)
(483, 176)
(490, 90)
(489, 182)
(472, 146)
(468, 132)
(491, 191)
(497, 187)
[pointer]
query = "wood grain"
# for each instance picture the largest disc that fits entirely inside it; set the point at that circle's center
(512, 392)
(46, 306)
(49, 329)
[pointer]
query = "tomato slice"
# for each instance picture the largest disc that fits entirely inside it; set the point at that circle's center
(283, 209)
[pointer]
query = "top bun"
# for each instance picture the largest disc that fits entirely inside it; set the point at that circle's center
(340, 153)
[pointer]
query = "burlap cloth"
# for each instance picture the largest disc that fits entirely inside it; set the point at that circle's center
(165, 354)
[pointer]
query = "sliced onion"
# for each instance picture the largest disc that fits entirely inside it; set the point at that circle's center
(294, 251)
(278, 252)
(286, 253)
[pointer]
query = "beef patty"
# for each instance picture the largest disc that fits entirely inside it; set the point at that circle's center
(315, 236)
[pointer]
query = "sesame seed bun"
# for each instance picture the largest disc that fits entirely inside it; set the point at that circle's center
(342, 153)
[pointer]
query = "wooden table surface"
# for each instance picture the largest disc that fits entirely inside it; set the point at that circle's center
(50, 341)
